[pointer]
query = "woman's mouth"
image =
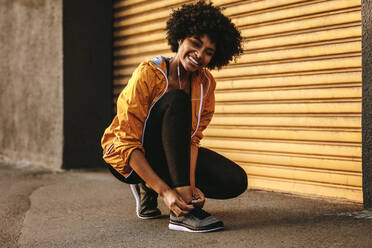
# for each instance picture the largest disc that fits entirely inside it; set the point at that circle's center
(193, 61)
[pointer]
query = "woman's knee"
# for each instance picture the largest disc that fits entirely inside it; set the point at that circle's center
(177, 96)
(243, 185)
(228, 177)
(239, 184)
(177, 105)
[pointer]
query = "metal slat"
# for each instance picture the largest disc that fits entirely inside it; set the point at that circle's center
(161, 14)
(301, 12)
(303, 108)
(140, 39)
(325, 36)
(288, 68)
(325, 135)
(127, 3)
(140, 29)
(349, 193)
(294, 160)
(147, 7)
(310, 148)
(307, 53)
(252, 7)
(137, 51)
(351, 78)
(327, 93)
(288, 121)
(322, 22)
(309, 175)
(142, 49)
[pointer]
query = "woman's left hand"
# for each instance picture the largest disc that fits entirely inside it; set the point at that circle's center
(198, 197)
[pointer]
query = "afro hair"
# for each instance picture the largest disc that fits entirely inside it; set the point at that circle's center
(205, 19)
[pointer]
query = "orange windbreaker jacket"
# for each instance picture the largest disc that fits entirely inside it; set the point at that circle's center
(147, 85)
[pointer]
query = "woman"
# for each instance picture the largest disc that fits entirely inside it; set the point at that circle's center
(153, 142)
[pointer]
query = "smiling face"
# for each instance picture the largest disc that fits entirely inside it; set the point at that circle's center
(195, 52)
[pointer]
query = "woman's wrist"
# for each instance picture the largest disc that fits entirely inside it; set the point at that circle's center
(192, 182)
(163, 190)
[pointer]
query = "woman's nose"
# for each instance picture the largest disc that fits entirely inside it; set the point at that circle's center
(199, 54)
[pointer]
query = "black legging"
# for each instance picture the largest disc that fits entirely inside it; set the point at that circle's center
(167, 149)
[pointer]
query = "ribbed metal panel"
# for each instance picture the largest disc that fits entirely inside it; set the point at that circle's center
(289, 109)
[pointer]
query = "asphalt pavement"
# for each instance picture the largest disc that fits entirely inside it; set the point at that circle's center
(43, 208)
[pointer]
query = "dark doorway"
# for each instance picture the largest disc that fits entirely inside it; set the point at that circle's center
(87, 80)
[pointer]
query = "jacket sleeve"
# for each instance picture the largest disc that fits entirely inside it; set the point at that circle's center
(207, 111)
(132, 109)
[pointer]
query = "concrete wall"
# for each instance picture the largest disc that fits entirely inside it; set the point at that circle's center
(31, 111)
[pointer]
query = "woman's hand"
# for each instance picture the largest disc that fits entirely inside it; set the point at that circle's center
(175, 203)
(198, 197)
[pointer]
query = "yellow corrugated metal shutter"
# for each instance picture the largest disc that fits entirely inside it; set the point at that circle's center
(289, 109)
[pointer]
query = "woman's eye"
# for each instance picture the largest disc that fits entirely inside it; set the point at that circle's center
(209, 53)
(195, 43)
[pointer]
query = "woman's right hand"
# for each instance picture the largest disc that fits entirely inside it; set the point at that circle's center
(175, 202)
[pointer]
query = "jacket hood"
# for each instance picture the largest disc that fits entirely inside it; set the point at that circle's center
(201, 77)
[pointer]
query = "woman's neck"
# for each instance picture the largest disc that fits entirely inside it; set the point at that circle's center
(178, 73)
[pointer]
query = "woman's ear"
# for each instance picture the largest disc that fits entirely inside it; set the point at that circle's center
(179, 44)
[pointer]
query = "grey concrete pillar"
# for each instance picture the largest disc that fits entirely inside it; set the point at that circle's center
(367, 102)
(31, 82)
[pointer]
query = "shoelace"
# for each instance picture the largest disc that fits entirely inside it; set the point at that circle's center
(199, 213)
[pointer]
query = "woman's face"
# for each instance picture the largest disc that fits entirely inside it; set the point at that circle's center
(196, 52)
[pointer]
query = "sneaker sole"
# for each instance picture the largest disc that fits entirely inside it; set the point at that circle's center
(185, 229)
(137, 198)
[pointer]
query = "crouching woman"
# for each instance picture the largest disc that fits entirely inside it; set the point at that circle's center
(153, 141)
